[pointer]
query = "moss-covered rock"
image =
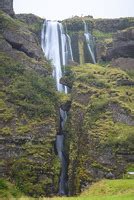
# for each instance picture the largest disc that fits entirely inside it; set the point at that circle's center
(100, 125)
(19, 43)
(29, 111)
(34, 23)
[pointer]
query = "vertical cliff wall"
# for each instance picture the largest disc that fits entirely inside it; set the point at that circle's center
(29, 111)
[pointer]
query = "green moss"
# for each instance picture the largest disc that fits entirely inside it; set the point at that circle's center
(6, 20)
(6, 131)
(9, 68)
(103, 36)
(8, 190)
(23, 129)
(9, 22)
(33, 94)
(29, 106)
(96, 125)
(26, 173)
(7, 113)
(64, 98)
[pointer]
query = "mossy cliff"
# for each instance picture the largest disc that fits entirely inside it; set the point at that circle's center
(99, 129)
(33, 22)
(100, 125)
(29, 110)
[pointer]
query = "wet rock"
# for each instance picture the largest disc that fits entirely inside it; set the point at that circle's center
(66, 106)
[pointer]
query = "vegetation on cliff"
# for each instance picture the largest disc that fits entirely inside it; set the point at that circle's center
(99, 129)
(100, 124)
(29, 111)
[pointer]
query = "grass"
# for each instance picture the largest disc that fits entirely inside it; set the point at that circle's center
(113, 197)
(121, 189)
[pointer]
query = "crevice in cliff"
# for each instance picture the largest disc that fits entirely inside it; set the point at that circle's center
(21, 48)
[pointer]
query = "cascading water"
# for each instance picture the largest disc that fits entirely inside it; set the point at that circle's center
(56, 46)
(90, 43)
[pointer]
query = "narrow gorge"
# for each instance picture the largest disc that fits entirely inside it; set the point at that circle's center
(66, 101)
(56, 45)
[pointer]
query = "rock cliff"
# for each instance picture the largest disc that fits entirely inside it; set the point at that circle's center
(99, 130)
(28, 105)
(100, 125)
(106, 36)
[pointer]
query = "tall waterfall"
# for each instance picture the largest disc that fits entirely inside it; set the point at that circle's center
(56, 45)
(90, 43)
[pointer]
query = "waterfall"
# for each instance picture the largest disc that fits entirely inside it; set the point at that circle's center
(90, 43)
(56, 45)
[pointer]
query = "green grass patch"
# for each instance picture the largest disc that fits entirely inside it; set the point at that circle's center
(102, 190)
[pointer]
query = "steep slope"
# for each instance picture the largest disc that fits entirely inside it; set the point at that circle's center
(100, 124)
(99, 131)
(28, 106)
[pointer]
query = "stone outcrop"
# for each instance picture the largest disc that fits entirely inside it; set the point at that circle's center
(7, 6)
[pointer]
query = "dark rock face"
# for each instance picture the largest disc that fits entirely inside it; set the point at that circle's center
(7, 6)
(123, 45)
(113, 25)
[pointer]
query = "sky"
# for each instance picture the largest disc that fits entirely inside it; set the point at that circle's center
(62, 9)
